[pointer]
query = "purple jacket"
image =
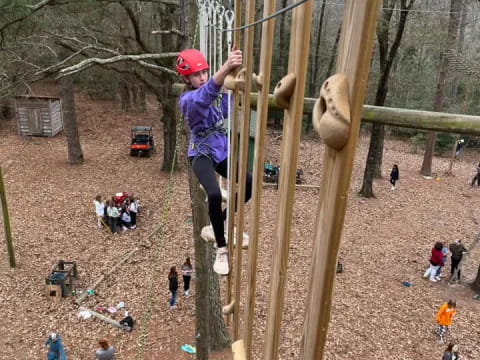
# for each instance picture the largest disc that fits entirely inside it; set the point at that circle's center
(203, 117)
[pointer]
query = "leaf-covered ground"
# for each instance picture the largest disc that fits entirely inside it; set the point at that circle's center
(387, 240)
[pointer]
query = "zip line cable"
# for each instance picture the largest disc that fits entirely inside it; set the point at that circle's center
(275, 14)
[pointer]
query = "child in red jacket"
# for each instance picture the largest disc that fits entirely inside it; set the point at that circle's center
(435, 261)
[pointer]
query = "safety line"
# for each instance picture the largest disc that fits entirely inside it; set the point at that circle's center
(163, 222)
(275, 14)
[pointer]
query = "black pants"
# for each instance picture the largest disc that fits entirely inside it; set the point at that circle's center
(392, 181)
(476, 178)
(113, 224)
(133, 217)
(204, 168)
(455, 262)
(186, 282)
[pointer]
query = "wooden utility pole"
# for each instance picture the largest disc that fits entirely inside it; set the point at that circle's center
(6, 223)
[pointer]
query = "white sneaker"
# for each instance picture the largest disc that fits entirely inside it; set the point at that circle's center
(124, 228)
(433, 280)
(392, 188)
(221, 261)
(438, 278)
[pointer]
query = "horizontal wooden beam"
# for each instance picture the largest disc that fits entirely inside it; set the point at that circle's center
(414, 119)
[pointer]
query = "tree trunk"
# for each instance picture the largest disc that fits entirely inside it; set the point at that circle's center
(139, 97)
(454, 20)
(314, 80)
(202, 306)
(125, 95)
(219, 336)
(282, 50)
(369, 173)
(373, 167)
(334, 53)
(75, 155)
(169, 129)
(476, 284)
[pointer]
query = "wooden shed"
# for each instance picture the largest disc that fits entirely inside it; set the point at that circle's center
(39, 115)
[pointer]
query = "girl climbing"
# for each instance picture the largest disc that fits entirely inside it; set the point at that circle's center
(208, 147)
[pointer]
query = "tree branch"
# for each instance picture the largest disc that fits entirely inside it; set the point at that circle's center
(34, 8)
(172, 31)
(91, 61)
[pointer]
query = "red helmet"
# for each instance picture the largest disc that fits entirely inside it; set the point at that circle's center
(190, 61)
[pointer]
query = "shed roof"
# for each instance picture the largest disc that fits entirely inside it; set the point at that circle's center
(37, 97)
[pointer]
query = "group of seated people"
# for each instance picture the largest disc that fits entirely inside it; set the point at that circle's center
(119, 212)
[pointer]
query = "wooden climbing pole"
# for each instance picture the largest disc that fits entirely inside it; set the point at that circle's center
(263, 85)
(243, 162)
(337, 119)
(290, 91)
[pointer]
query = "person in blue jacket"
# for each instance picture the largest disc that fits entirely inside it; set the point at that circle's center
(56, 351)
(204, 107)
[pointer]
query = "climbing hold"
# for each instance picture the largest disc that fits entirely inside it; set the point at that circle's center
(228, 309)
(208, 235)
(331, 113)
(284, 90)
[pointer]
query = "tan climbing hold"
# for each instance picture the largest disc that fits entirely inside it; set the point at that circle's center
(228, 309)
(284, 90)
(257, 81)
(235, 81)
(331, 113)
(238, 350)
(207, 234)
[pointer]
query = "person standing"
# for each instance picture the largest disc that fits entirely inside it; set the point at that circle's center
(477, 176)
(133, 207)
(435, 261)
(451, 352)
(394, 176)
(99, 210)
(106, 351)
(444, 318)
(113, 215)
(457, 249)
(173, 285)
(187, 270)
(56, 351)
(443, 263)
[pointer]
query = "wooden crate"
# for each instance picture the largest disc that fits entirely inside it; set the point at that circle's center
(54, 292)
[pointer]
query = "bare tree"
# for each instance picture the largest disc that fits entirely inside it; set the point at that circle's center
(387, 55)
(453, 24)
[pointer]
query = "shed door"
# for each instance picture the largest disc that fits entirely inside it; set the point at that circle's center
(35, 120)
